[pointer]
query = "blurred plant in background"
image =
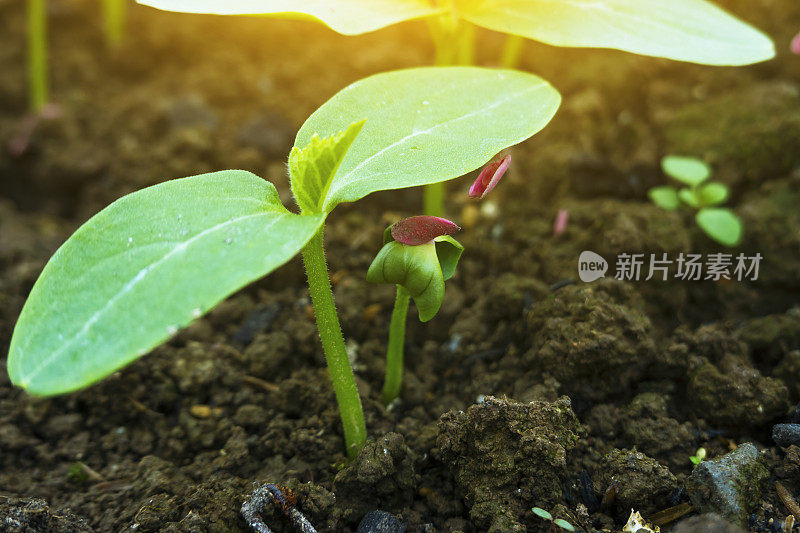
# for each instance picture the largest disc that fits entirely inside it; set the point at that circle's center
(719, 223)
(683, 30)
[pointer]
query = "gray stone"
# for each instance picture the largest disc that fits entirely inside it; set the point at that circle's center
(730, 485)
(786, 434)
(380, 522)
(707, 523)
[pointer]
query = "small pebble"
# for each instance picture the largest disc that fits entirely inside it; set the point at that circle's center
(794, 416)
(786, 434)
(380, 522)
(730, 485)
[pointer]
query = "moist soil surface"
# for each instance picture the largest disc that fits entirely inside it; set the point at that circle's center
(530, 388)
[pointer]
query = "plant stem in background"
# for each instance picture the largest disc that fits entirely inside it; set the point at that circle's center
(465, 54)
(433, 199)
(451, 47)
(512, 51)
(330, 333)
(114, 21)
(394, 352)
(37, 53)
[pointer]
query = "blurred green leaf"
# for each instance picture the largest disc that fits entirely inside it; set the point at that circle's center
(665, 197)
(349, 17)
(685, 30)
(712, 194)
(688, 170)
(720, 224)
(689, 197)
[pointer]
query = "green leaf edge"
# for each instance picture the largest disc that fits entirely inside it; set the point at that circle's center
(665, 197)
(709, 229)
(675, 165)
(14, 369)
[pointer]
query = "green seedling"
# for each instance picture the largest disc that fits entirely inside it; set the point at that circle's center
(684, 30)
(698, 457)
(560, 522)
(719, 223)
(38, 91)
(418, 256)
(155, 260)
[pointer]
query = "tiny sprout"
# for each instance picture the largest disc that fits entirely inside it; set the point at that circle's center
(561, 221)
(699, 455)
(541, 513)
(560, 522)
(418, 256)
(489, 177)
(719, 223)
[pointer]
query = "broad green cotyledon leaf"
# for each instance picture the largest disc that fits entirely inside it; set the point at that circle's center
(684, 30)
(143, 268)
(348, 17)
(427, 125)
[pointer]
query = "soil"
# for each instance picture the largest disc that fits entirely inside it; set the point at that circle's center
(528, 389)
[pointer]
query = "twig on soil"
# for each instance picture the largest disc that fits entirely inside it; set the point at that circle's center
(788, 500)
(283, 498)
(671, 514)
(561, 284)
(260, 383)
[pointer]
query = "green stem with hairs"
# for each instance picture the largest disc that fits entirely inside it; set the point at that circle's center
(512, 51)
(394, 352)
(330, 333)
(114, 21)
(37, 54)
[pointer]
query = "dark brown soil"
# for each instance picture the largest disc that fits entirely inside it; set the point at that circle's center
(526, 390)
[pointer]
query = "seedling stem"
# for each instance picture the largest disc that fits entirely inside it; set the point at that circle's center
(330, 333)
(394, 352)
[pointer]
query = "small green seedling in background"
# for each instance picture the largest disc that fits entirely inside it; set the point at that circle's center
(699, 455)
(38, 91)
(719, 223)
(114, 21)
(418, 256)
(155, 260)
(560, 522)
(37, 54)
(684, 30)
